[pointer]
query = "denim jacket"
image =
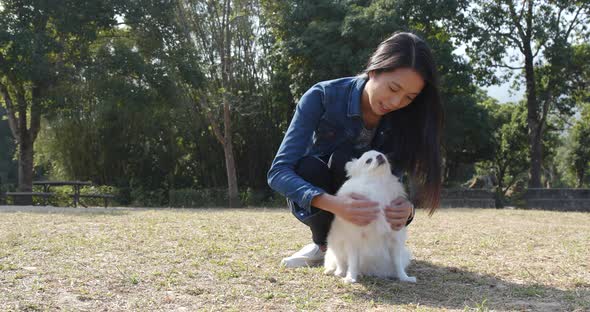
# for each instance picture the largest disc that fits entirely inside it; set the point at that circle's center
(327, 115)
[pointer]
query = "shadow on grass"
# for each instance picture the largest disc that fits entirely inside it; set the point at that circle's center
(453, 288)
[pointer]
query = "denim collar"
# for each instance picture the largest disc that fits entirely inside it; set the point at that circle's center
(354, 97)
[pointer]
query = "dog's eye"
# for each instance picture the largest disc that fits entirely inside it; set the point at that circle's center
(369, 161)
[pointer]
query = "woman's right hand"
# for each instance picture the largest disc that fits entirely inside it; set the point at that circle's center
(354, 208)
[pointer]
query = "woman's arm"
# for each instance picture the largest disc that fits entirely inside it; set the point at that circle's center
(281, 176)
(283, 179)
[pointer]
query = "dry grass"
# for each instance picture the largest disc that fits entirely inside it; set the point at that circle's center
(182, 260)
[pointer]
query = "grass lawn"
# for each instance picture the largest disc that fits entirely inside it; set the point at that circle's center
(219, 259)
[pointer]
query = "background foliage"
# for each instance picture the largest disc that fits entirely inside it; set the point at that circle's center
(122, 112)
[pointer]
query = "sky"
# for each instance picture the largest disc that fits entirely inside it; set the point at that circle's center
(503, 92)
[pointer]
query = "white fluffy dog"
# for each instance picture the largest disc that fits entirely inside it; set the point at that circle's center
(374, 249)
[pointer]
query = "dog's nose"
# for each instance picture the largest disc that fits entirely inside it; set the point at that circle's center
(380, 159)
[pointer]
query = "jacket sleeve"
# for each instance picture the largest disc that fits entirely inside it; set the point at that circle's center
(281, 176)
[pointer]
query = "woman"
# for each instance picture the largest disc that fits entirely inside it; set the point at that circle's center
(392, 107)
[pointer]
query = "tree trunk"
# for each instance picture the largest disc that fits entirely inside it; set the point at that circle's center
(232, 179)
(230, 163)
(217, 41)
(25, 138)
(501, 172)
(533, 122)
(234, 199)
(227, 78)
(25, 169)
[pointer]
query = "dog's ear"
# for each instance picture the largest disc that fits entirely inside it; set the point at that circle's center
(350, 166)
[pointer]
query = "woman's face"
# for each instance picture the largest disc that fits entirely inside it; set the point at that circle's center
(389, 91)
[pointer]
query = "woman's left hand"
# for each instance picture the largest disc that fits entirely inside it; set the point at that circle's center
(398, 212)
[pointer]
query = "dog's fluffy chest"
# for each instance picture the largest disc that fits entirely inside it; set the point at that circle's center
(383, 189)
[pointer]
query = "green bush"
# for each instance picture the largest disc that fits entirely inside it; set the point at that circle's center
(276, 200)
(3, 189)
(262, 198)
(100, 189)
(63, 196)
(140, 197)
(516, 197)
(206, 197)
(217, 197)
(251, 197)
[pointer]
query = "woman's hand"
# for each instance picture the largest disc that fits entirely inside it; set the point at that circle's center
(354, 208)
(358, 209)
(398, 212)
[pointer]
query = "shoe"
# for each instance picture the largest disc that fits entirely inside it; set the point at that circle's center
(309, 255)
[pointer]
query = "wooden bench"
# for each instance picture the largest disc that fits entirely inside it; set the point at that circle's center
(23, 194)
(105, 197)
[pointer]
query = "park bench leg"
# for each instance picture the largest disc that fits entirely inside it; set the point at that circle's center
(76, 198)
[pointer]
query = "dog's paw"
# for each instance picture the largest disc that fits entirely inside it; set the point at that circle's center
(329, 271)
(340, 273)
(349, 280)
(409, 279)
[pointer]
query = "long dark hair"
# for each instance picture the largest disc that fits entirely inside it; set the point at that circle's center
(415, 140)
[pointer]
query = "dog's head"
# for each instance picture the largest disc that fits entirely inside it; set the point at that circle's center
(370, 163)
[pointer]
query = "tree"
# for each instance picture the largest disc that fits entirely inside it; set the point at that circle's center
(326, 39)
(578, 149)
(224, 33)
(469, 129)
(7, 165)
(41, 45)
(124, 122)
(538, 31)
(509, 158)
